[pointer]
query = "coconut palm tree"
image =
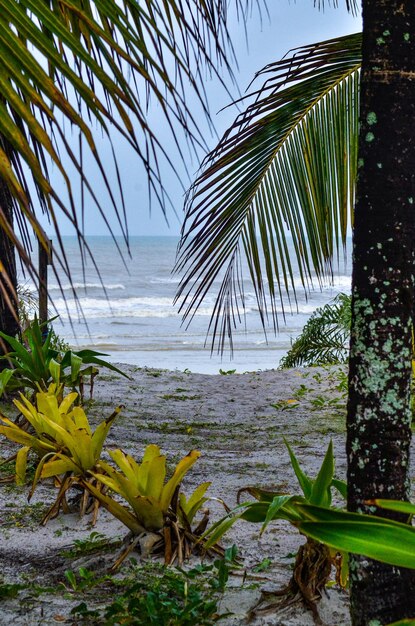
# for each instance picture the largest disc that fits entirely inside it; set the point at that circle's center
(68, 67)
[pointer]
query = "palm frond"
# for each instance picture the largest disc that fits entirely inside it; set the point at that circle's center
(70, 65)
(352, 6)
(285, 169)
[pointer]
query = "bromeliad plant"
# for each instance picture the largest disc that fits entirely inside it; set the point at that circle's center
(314, 559)
(158, 516)
(34, 363)
(64, 442)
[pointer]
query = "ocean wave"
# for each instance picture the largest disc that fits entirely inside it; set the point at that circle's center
(69, 287)
(118, 309)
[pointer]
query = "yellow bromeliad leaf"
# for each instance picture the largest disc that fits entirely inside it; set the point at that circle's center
(78, 443)
(47, 404)
(101, 433)
(156, 473)
(148, 477)
(127, 465)
(149, 512)
(27, 409)
(192, 505)
(81, 449)
(118, 482)
(67, 402)
(21, 464)
(59, 464)
(18, 435)
(151, 454)
(116, 509)
(38, 472)
(146, 509)
(151, 451)
(182, 467)
(80, 419)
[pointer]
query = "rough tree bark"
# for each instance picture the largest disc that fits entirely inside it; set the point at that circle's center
(8, 278)
(379, 411)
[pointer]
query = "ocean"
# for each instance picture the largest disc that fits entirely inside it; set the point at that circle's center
(133, 319)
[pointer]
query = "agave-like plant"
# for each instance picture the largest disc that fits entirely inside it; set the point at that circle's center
(314, 559)
(158, 516)
(63, 440)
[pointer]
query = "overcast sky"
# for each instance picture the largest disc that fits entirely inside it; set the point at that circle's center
(291, 24)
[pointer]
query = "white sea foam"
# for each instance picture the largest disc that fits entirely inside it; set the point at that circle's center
(75, 286)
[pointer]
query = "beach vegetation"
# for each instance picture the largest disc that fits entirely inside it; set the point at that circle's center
(180, 397)
(283, 405)
(315, 559)
(63, 440)
(95, 542)
(34, 363)
(152, 594)
(325, 338)
(158, 515)
(372, 536)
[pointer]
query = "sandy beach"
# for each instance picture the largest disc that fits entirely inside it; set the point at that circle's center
(238, 422)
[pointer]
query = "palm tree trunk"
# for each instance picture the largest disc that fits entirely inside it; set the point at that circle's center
(379, 411)
(8, 276)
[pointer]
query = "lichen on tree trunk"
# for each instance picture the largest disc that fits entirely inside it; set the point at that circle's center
(379, 411)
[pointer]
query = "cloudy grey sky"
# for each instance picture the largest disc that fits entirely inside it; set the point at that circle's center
(291, 24)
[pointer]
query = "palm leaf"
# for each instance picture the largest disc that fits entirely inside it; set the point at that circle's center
(96, 63)
(285, 169)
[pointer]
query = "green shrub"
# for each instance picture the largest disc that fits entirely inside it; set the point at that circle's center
(325, 338)
(34, 363)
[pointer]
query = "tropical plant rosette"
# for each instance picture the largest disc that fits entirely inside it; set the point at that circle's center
(64, 441)
(158, 515)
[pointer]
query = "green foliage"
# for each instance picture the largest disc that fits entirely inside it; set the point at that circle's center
(8, 591)
(325, 338)
(314, 561)
(85, 579)
(165, 596)
(35, 363)
(372, 536)
(27, 305)
(155, 506)
(269, 506)
(96, 542)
